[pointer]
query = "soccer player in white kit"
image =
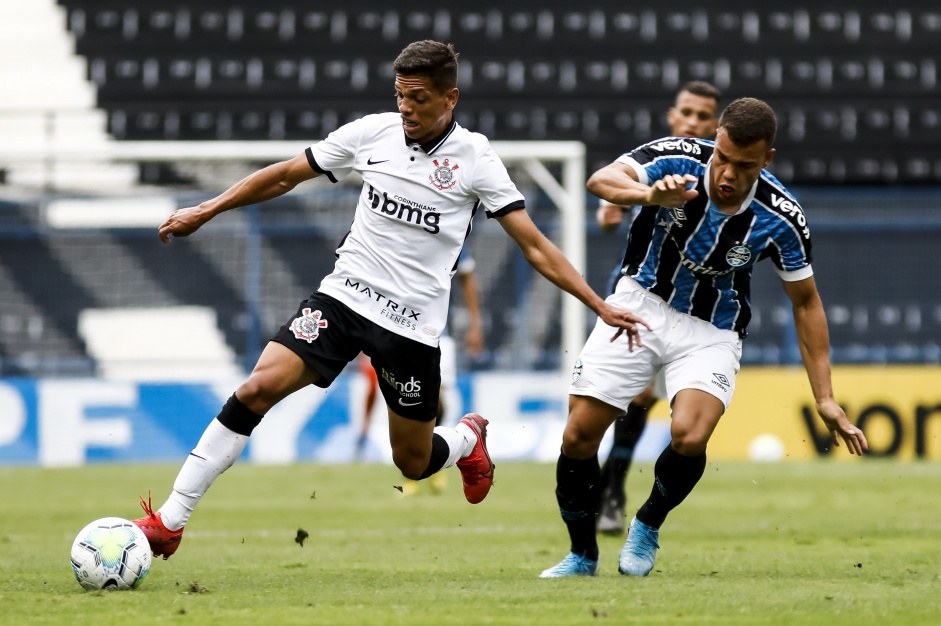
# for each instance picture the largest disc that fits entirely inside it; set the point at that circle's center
(711, 211)
(424, 178)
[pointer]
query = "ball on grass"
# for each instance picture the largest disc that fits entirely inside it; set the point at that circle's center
(766, 448)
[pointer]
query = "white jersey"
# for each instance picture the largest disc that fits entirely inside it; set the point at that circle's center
(395, 265)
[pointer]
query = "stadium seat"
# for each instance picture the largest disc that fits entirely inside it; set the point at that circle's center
(130, 343)
(815, 61)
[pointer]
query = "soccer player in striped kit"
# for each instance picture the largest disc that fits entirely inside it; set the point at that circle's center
(694, 115)
(711, 211)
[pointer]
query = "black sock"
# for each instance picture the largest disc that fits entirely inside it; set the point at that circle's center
(439, 456)
(675, 476)
(627, 431)
(578, 491)
(237, 417)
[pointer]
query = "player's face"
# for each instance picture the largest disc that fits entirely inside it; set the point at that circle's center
(735, 169)
(693, 116)
(425, 110)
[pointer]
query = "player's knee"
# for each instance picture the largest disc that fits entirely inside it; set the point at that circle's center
(689, 443)
(410, 464)
(252, 394)
(579, 443)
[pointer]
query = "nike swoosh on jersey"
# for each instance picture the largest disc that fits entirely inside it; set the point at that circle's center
(408, 403)
(369, 161)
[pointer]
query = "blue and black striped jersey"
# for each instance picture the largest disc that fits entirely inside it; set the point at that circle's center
(699, 259)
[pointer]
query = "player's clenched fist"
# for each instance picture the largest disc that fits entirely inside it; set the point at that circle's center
(182, 223)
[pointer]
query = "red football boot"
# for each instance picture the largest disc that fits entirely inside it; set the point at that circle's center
(163, 541)
(477, 468)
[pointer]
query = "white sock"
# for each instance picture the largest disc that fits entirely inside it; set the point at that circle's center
(216, 451)
(461, 441)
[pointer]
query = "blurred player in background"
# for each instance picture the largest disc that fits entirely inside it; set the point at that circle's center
(424, 177)
(473, 345)
(693, 115)
(711, 211)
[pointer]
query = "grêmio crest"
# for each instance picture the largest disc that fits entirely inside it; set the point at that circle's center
(444, 176)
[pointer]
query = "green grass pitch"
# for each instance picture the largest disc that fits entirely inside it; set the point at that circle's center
(811, 543)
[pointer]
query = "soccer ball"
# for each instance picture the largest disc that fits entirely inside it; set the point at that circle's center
(110, 553)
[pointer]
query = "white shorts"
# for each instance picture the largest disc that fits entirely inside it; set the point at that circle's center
(689, 353)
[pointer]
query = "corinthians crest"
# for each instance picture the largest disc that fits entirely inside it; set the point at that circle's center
(307, 326)
(444, 176)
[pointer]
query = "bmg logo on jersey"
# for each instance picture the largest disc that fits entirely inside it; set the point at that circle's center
(411, 389)
(405, 210)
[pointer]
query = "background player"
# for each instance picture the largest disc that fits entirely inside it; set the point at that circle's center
(711, 211)
(423, 179)
(693, 115)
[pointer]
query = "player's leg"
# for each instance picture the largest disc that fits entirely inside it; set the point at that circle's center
(369, 401)
(438, 481)
(410, 381)
(313, 347)
(607, 376)
(701, 384)
(420, 450)
(278, 373)
(578, 485)
(627, 431)
(677, 470)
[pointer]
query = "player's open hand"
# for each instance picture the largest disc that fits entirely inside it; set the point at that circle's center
(182, 223)
(670, 191)
(625, 322)
(841, 428)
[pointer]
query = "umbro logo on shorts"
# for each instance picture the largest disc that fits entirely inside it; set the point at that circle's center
(721, 381)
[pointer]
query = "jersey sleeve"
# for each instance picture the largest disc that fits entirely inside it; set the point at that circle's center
(670, 155)
(334, 156)
(491, 182)
(791, 247)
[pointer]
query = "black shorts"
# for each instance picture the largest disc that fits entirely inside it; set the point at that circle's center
(327, 335)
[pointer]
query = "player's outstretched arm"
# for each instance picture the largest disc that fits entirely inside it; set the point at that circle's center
(265, 184)
(814, 339)
(549, 261)
(617, 183)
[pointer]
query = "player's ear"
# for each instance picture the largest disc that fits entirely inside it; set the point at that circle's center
(452, 95)
(769, 156)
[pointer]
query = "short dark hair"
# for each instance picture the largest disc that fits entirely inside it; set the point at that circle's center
(436, 60)
(702, 89)
(748, 121)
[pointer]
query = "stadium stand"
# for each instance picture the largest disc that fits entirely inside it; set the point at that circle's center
(129, 343)
(52, 80)
(286, 70)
